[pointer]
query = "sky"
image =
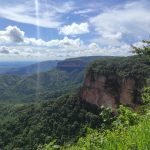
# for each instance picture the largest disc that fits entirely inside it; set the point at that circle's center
(59, 29)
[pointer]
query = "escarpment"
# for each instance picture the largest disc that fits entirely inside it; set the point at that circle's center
(78, 64)
(97, 90)
(111, 83)
(70, 65)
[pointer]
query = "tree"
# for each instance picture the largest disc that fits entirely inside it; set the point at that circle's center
(144, 50)
(144, 53)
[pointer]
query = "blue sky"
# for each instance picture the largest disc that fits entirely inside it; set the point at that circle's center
(58, 29)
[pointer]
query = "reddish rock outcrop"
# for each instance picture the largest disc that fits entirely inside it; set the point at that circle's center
(128, 89)
(108, 91)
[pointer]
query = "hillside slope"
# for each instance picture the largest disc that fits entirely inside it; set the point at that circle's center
(34, 68)
(50, 84)
(42, 86)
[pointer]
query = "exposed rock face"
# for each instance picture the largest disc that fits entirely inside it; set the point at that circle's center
(108, 91)
(128, 89)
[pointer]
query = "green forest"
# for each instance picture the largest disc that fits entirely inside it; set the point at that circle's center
(60, 119)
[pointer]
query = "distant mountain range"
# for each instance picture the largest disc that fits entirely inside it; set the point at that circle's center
(52, 79)
(29, 68)
(34, 68)
(7, 66)
(78, 63)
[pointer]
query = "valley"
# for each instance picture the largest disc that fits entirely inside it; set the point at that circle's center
(76, 100)
(75, 75)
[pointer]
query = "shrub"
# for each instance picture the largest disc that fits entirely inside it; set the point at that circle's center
(146, 95)
(126, 117)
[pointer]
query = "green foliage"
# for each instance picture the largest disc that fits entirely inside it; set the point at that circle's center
(126, 117)
(118, 70)
(28, 125)
(106, 117)
(64, 120)
(135, 137)
(144, 54)
(127, 67)
(44, 86)
(143, 51)
(146, 95)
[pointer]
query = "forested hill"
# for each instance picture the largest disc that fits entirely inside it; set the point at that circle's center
(30, 68)
(62, 122)
(79, 63)
(44, 85)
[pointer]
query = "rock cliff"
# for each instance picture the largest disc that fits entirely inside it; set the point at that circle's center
(111, 82)
(108, 91)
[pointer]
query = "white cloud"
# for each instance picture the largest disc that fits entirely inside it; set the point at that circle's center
(93, 46)
(4, 50)
(131, 20)
(83, 11)
(32, 48)
(75, 29)
(112, 36)
(63, 50)
(15, 34)
(49, 14)
(34, 42)
(65, 42)
(139, 44)
(11, 34)
(126, 22)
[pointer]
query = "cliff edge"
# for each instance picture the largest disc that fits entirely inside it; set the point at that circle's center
(113, 82)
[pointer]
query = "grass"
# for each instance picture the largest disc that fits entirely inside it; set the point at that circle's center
(127, 138)
(135, 137)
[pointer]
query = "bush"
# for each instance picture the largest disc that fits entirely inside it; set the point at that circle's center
(106, 117)
(126, 117)
(132, 138)
(146, 95)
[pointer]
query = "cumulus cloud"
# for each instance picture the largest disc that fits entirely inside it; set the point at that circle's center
(19, 46)
(11, 34)
(93, 46)
(4, 50)
(65, 42)
(75, 29)
(67, 51)
(15, 34)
